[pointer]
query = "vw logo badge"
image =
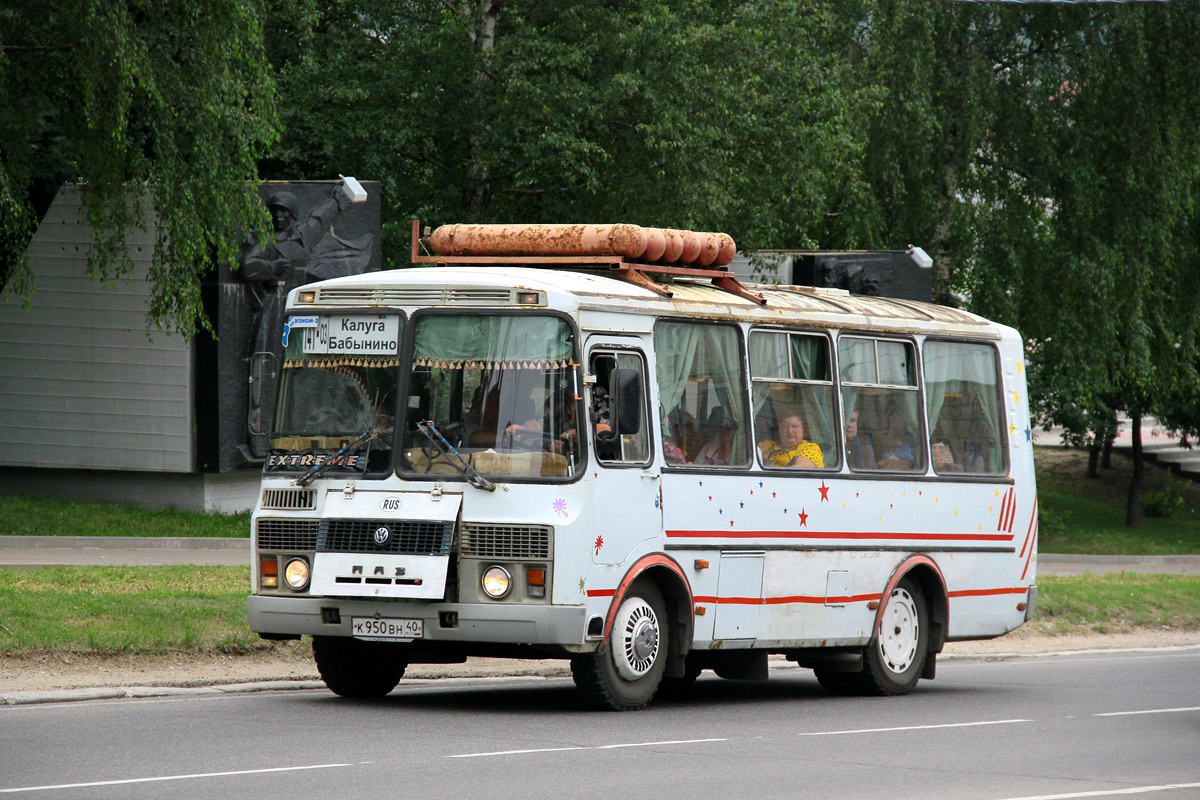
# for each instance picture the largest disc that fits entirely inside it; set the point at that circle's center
(382, 534)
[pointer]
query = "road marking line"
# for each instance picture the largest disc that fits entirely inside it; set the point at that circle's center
(166, 778)
(917, 727)
(1166, 787)
(1151, 711)
(583, 747)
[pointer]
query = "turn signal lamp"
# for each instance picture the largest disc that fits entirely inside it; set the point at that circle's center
(307, 297)
(527, 298)
(535, 582)
(269, 570)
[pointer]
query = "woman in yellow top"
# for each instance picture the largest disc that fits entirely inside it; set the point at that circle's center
(792, 450)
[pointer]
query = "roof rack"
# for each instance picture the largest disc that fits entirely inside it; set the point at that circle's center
(624, 268)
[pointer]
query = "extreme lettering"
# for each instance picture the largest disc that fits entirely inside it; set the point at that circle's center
(308, 460)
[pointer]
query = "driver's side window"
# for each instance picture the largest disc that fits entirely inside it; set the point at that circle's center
(617, 415)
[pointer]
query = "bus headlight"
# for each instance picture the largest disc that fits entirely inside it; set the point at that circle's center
(296, 573)
(496, 582)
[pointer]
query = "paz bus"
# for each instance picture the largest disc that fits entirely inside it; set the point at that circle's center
(593, 443)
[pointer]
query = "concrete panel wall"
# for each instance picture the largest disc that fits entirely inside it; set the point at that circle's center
(82, 385)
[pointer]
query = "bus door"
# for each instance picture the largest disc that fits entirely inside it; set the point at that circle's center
(627, 492)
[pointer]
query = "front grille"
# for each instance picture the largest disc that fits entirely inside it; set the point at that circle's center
(287, 534)
(505, 541)
(407, 537)
(290, 499)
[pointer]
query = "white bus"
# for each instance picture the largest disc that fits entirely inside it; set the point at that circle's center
(647, 469)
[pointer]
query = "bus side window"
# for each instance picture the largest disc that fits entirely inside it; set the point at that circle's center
(700, 370)
(792, 392)
(879, 383)
(965, 414)
(617, 411)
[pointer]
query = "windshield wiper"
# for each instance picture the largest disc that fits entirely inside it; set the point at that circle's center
(366, 436)
(473, 477)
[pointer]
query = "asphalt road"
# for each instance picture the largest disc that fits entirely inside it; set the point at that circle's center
(1096, 725)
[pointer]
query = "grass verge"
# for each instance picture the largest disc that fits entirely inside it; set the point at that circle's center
(38, 516)
(105, 611)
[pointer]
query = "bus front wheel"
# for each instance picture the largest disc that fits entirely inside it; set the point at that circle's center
(627, 672)
(354, 668)
(895, 658)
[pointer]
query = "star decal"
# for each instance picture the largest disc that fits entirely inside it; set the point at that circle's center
(1028, 435)
(731, 523)
(582, 583)
(741, 505)
(772, 495)
(1017, 398)
(1012, 428)
(824, 490)
(803, 518)
(1020, 366)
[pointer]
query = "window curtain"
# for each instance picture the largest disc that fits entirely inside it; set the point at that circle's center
(968, 370)
(513, 341)
(691, 351)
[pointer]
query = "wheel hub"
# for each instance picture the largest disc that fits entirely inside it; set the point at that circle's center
(899, 632)
(636, 643)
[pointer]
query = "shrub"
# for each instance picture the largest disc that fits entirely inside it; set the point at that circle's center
(1163, 502)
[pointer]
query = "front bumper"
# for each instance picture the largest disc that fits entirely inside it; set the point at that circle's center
(561, 626)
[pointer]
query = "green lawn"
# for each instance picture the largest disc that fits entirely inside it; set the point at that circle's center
(31, 516)
(1077, 514)
(158, 610)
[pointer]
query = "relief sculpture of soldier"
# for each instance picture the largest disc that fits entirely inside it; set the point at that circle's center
(304, 248)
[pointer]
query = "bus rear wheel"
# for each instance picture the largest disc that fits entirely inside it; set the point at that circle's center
(354, 668)
(627, 672)
(895, 658)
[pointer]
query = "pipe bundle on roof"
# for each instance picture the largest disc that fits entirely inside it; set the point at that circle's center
(647, 245)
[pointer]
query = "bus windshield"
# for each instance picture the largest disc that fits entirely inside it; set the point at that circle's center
(337, 395)
(500, 389)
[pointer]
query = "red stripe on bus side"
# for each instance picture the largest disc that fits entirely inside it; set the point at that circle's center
(964, 537)
(1029, 558)
(1006, 510)
(989, 592)
(601, 592)
(1028, 533)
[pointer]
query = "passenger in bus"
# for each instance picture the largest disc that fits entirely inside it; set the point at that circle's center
(722, 428)
(860, 453)
(792, 449)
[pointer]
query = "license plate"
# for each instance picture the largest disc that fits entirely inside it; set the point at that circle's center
(386, 629)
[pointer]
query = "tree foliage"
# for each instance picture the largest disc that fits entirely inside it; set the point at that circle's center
(1051, 162)
(734, 116)
(158, 106)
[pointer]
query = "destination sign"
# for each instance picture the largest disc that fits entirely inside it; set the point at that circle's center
(354, 335)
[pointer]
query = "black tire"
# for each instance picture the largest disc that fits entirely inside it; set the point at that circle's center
(895, 658)
(837, 682)
(627, 672)
(681, 686)
(354, 668)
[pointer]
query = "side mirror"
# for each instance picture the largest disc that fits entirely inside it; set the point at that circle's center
(262, 369)
(628, 394)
